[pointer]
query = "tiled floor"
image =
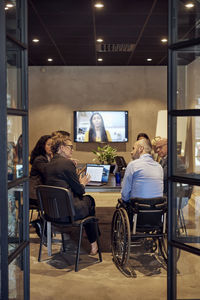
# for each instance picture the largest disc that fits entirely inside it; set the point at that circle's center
(54, 277)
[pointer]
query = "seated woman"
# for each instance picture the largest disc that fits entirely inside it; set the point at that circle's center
(40, 156)
(97, 132)
(18, 151)
(61, 172)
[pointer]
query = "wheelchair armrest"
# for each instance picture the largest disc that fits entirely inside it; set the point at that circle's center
(122, 203)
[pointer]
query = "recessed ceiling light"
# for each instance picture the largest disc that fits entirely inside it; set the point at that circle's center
(9, 5)
(164, 40)
(99, 5)
(50, 59)
(100, 59)
(99, 40)
(189, 5)
(149, 59)
(6, 8)
(35, 40)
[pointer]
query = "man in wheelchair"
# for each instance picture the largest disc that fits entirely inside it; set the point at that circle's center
(144, 176)
(141, 211)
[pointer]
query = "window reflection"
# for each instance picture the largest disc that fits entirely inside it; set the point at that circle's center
(188, 75)
(13, 76)
(11, 18)
(188, 147)
(187, 205)
(14, 147)
(16, 279)
(188, 17)
(15, 207)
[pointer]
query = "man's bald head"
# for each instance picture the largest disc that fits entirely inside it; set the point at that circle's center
(140, 147)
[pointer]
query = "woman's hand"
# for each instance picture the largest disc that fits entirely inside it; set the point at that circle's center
(85, 179)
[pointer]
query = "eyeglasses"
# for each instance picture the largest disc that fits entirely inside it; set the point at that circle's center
(160, 147)
(70, 146)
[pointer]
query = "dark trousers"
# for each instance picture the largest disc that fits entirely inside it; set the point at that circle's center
(85, 208)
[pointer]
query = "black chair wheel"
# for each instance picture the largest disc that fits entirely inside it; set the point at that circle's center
(120, 237)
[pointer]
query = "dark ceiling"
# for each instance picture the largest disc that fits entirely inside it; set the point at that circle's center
(68, 29)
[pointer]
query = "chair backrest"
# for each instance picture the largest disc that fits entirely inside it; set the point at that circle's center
(121, 163)
(56, 203)
(150, 211)
(184, 190)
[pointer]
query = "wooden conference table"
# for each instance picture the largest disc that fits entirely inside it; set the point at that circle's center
(110, 187)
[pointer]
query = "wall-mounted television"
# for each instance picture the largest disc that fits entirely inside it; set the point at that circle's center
(101, 126)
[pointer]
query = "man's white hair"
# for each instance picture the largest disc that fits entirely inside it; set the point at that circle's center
(145, 144)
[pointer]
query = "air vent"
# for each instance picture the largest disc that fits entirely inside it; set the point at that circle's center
(115, 47)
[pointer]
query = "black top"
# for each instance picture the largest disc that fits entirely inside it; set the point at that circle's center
(62, 172)
(37, 174)
(181, 169)
(38, 166)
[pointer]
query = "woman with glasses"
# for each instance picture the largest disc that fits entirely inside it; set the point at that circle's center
(61, 172)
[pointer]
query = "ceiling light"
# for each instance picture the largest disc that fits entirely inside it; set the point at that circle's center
(9, 5)
(99, 5)
(35, 40)
(6, 8)
(50, 59)
(164, 40)
(189, 5)
(99, 40)
(149, 59)
(100, 59)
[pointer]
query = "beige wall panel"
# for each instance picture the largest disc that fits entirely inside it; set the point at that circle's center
(55, 92)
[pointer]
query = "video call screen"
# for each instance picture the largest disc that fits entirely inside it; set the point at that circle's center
(113, 124)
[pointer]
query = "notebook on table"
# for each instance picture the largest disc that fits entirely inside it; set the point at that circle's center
(99, 174)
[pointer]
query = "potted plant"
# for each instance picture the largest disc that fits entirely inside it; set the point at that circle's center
(105, 155)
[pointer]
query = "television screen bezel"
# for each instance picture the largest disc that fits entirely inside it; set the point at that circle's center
(83, 142)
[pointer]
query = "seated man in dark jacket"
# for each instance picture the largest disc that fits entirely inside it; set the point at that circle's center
(161, 149)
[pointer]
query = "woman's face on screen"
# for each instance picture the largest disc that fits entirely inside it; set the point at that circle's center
(96, 121)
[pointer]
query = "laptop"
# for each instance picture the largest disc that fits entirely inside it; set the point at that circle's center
(99, 174)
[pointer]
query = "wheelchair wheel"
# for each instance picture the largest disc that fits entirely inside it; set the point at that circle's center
(162, 241)
(120, 238)
(164, 248)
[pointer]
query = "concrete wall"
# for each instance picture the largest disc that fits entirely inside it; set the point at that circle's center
(55, 92)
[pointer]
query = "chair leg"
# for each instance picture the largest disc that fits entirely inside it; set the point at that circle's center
(41, 242)
(49, 238)
(63, 242)
(78, 248)
(98, 241)
(183, 221)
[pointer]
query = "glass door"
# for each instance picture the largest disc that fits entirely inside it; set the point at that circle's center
(183, 150)
(14, 200)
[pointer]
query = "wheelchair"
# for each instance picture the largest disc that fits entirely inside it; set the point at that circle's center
(140, 222)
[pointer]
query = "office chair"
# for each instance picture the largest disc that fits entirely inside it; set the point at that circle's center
(56, 205)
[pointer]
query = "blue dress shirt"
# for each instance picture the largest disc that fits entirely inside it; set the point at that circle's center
(143, 178)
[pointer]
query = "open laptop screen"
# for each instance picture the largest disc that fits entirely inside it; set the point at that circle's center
(106, 171)
(96, 172)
